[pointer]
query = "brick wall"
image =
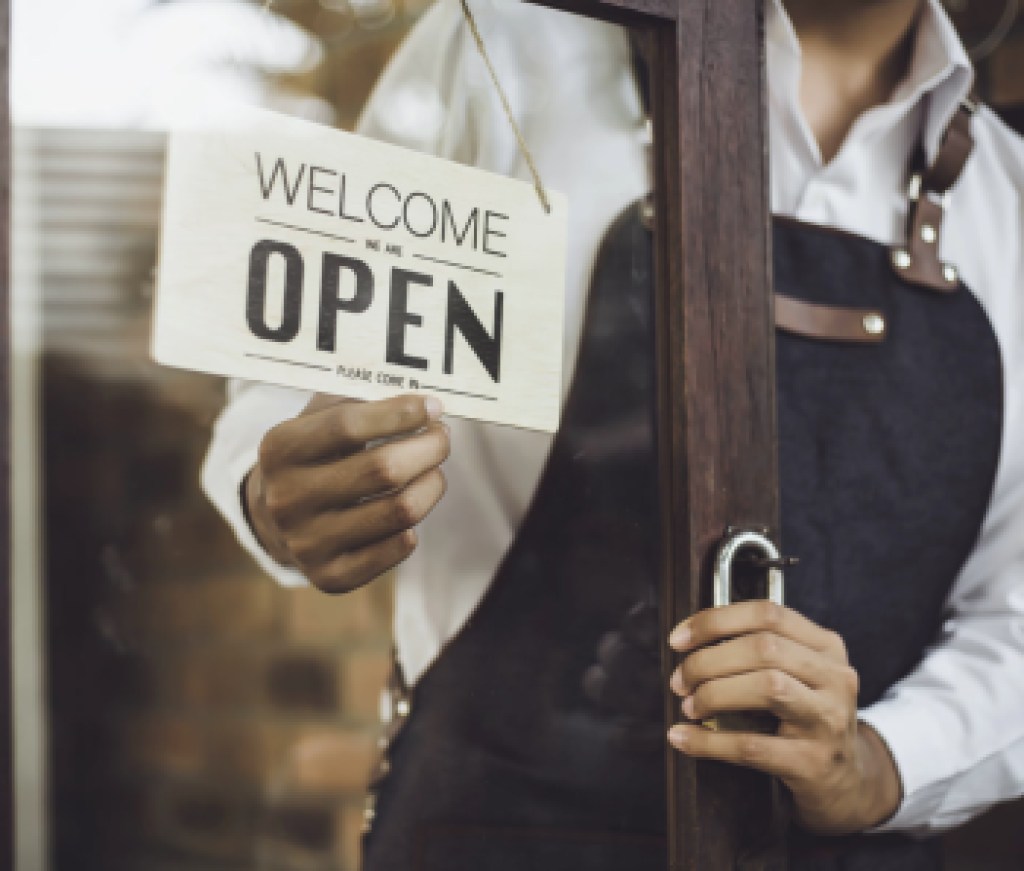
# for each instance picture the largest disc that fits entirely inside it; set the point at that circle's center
(203, 716)
(200, 716)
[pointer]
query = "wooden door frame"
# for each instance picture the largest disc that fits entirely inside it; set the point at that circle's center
(6, 677)
(717, 433)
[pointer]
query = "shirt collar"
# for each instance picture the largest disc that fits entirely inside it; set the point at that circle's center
(940, 76)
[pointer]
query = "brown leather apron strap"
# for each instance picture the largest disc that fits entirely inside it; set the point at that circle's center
(827, 322)
(955, 150)
(917, 261)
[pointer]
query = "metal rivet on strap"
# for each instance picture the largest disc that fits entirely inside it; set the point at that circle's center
(928, 234)
(950, 274)
(901, 259)
(402, 708)
(874, 324)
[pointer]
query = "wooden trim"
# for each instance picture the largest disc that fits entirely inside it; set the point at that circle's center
(6, 729)
(715, 323)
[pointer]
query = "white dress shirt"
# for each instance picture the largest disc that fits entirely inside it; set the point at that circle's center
(955, 726)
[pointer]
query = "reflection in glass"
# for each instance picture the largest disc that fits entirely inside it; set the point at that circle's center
(200, 715)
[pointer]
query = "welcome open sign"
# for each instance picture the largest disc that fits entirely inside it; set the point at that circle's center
(301, 255)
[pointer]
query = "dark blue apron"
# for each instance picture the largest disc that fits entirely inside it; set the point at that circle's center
(507, 757)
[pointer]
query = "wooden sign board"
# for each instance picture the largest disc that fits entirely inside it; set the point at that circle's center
(305, 256)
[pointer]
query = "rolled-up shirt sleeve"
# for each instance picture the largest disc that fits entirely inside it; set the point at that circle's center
(251, 411)
(955, 725)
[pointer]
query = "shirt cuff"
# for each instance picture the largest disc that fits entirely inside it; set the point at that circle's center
(915, 743)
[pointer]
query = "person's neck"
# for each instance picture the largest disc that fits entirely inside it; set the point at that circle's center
(855, 53)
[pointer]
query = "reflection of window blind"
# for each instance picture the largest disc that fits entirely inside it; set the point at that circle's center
(95, 203)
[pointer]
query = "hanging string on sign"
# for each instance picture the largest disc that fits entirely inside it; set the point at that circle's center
(523, 147)
(471, 21)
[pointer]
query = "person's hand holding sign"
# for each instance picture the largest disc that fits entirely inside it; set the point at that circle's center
(760, 656)
(337, 490)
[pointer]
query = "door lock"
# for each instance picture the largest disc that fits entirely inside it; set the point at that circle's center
(748, 548)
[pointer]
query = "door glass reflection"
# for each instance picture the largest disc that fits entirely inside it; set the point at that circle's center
(204, 706)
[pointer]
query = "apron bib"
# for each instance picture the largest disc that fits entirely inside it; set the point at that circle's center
(501, 760)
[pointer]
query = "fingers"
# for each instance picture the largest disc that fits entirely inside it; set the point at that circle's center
(786, 758)
(357, 568)
(775, 691)
(330, 428)
(322, 401)
(759, 657)
(718, 624)
(294, 495)
(759, 651)
(341, 511)
(330, 533)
